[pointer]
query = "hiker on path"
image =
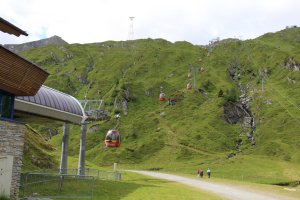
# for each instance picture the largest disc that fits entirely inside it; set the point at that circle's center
(208, 172)
(200, 173)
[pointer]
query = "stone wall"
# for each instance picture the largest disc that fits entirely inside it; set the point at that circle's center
(11, 144)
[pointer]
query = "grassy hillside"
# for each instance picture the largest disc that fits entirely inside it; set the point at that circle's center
(192, 133)
(37, 152)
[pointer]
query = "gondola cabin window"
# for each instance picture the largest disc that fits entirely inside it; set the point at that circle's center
(6, 105)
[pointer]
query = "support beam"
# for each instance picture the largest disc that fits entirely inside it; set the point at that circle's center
(81, 161)
(64, 150)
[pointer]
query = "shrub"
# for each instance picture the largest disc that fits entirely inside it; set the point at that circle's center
(221, 93)
(208, 85)
(232, 95)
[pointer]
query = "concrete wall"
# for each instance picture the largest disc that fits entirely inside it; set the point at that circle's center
(11, 145)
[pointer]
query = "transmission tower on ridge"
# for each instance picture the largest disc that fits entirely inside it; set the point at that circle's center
(131, 33)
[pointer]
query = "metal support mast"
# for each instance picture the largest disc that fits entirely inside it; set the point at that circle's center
(131, 33)
(194, 70)
(64, 151)
(81, 161)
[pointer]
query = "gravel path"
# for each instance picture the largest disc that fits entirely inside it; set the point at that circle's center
(222, 190)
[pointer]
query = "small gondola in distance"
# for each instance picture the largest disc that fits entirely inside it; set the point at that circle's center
(162, 97)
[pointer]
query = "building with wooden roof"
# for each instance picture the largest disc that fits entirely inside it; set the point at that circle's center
(22, 92)
(23, 96)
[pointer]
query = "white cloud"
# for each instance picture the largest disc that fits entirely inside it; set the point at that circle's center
(196, 21)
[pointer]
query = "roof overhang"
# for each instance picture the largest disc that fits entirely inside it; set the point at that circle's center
(9, 28)
(29, 110)
(18, 75)
(48, 104)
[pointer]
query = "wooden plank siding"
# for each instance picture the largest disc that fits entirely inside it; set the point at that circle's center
(18, 75)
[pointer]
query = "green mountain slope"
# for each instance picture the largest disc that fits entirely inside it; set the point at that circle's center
(37, 152)
(194, 131)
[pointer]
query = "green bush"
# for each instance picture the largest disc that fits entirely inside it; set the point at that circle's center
(221, 93)
(232, 95)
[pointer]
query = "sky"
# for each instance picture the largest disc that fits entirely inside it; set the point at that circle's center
(194, 21)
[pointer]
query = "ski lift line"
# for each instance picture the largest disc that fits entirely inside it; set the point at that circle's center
(281, 104)
(292, 103)
(287, 110)
(118, 122)
(85, 102)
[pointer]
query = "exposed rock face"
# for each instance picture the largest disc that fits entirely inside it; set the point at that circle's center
(124, 106)
(35, 44)
(233, 112)
(234, 70)
(291, 64)
(240, 111)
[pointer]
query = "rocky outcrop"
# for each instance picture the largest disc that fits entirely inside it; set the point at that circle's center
(240, 112)
(233, 112)
(35, 44)
(248, 124)
(291, 64)
(234, 70)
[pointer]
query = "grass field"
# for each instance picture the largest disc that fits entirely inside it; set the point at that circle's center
(135, 186)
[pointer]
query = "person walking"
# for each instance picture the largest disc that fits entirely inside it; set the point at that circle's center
(200, 173)
(208, 172)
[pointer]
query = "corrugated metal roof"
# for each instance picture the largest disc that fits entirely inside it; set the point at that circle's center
(65, 106)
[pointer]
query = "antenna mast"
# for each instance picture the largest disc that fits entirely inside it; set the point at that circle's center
(131, 33)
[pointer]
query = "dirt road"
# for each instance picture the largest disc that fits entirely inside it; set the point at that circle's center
(222, 190)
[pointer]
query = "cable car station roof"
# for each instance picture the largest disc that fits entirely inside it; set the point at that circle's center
(18, 75)
(51, 104)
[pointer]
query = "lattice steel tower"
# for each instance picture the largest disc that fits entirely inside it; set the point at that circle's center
(131, 33)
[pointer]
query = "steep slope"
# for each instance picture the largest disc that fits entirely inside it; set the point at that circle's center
(37, 152)
(195, 130)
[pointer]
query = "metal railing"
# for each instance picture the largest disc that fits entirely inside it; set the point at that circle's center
(97, 174)
(49, 183)
(40, 185)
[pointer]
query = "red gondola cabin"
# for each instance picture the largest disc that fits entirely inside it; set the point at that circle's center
(113, 138)
(162, 97)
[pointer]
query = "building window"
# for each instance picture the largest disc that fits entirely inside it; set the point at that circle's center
(6, 105)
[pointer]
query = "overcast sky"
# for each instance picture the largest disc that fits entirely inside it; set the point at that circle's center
(195, 21)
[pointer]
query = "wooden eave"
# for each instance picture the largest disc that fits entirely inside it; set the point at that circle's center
(18, 75)
(9, 28)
